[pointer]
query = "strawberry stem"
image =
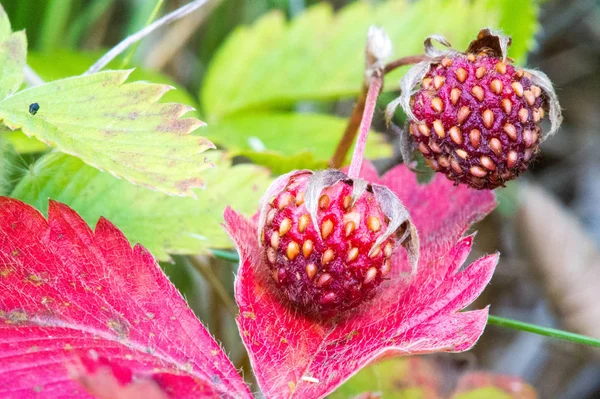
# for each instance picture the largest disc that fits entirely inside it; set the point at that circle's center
(365, 125)
(492, 320)
(351, 128)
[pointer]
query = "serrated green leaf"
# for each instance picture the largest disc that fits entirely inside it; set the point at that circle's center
(163, 224)
(13, 52)
(115, 126)
(320, 55)
(287, 135)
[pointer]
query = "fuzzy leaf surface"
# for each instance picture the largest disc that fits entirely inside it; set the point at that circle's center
(320, 54)
(67, 292)
(13, 55)
(407, 317)
(115, 126)
(286, 136)
(163, 224)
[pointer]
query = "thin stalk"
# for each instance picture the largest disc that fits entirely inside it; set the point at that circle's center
(545, 331)
(210, 276)
(492, 320)
(365, 125)
(353, 123)
(400, 62)
(133, 48)
(136, 37)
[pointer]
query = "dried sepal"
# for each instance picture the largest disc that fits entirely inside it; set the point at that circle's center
(316, 184)
(542, 80)
(407, 84)
(399, 221)
(378, 50)
(493, 42)
(359, 186)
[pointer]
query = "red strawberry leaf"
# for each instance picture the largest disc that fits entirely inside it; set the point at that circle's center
(67, 292)
(293, 356)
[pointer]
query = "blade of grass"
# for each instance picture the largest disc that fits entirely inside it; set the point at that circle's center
(54, 23)
(133, 48)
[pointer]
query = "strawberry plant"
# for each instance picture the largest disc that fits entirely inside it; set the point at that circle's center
(342, 269)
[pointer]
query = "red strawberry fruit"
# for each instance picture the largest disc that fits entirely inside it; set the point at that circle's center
(327, 239)
(476, 117)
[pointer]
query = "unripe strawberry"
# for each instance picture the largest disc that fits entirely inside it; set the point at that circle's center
(475, 117)
(327, 239)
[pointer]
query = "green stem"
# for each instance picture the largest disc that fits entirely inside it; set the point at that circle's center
(225, 255)
(492, 320)
(545, 331)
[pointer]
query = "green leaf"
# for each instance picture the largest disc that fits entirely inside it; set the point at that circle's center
(320, 55)
(13, 51)
(279, 164)
(22, 143)
(163, 224)
(115, 126)
(287, 138)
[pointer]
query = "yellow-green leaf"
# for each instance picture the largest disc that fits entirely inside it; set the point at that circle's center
(115, 126)
(13, 52)
(320, 54)
(287, 138)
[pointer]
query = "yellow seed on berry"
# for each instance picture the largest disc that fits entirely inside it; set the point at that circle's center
(327, 257)
(307, 248)
(374, 223)
(292, 250)
(326, 228)
(285, 226)
(461, 75)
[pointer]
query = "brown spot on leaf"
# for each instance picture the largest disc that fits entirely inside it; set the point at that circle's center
(249, 315)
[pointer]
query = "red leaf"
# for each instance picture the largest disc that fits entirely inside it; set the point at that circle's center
(294, 356)
(65, 290)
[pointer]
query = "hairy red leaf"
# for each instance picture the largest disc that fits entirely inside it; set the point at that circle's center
(294, 356)
(66, 292)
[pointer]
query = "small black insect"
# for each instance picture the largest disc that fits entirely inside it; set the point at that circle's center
(34, 108)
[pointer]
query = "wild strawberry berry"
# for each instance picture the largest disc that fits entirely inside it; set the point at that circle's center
(476, 117)
(327, 239)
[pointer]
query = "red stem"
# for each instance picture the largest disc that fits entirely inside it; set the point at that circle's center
(365, 125)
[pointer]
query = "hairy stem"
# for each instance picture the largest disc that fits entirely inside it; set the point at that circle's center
(365, 125)
(136, 37)
(492, 320)
(353, 123)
